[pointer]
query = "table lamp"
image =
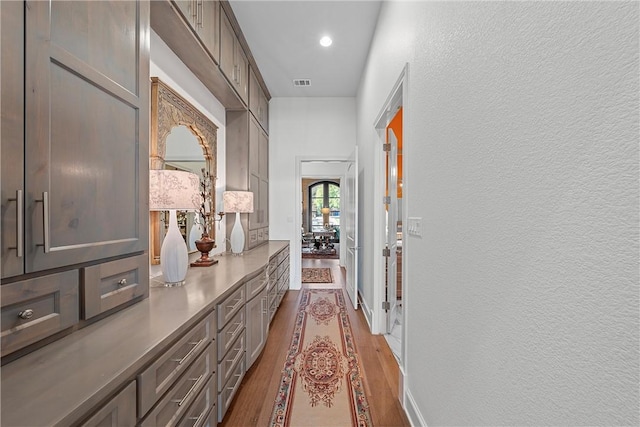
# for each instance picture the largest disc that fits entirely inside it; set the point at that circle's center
(172, 190)
(237, 202)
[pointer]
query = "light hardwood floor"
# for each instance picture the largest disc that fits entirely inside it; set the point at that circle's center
(253, 403)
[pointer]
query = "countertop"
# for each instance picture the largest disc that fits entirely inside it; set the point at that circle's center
(61, 382)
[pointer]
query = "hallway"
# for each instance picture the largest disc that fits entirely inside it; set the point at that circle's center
(254, 402)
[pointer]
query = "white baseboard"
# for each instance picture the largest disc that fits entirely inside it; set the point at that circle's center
(368, 314)
(412, 411)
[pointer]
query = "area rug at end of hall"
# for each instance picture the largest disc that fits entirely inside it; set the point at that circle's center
(321, 381)
(316, 275)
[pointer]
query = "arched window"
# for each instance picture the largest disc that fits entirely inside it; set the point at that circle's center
(324, 194)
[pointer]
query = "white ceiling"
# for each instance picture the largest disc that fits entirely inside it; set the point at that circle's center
(284, 39)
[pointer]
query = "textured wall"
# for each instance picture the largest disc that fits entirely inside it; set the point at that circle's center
(521, 151)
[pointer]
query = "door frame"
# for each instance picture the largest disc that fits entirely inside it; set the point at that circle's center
(296, 246)
(398, 96)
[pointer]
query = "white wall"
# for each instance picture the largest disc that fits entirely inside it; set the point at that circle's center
(302, 129)
(521, 156)
(171, 70)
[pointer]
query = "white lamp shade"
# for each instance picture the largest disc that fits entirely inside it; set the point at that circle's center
(172, 189)
(238, 201)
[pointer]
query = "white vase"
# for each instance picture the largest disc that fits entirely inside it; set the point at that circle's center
(174, 258)
(237, 236)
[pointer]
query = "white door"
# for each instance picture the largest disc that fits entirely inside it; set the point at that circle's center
(392, 229)
(349, 230)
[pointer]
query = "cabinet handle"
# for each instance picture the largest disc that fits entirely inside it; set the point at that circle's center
(122, 282)
(199, 10)
(188, 355)
(194, 9)
(237, 330)
(19, 224)
(191, 390)
(26, 314)
(235, 305)
(199, 422)
(45, 222)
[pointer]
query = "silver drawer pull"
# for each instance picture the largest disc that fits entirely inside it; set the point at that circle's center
(26, 314)
(186, 356)
(235, 305)
(191, 390)
(199, 420)
(122, 282)
(237, 330)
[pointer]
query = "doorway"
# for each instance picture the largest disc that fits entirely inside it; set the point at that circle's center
(339, 171)
(389, 128)
(321, 216)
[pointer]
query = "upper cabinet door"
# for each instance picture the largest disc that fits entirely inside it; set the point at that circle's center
(87, 131)
(202, 17)
(207, 25)
(233, 61)
(258, 104)
(227, 48)
(12, 137)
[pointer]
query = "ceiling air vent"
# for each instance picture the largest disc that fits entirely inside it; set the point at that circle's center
(301, 82)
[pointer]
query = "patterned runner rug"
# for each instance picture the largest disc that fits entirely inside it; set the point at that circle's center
(321, 382)
(316, 275)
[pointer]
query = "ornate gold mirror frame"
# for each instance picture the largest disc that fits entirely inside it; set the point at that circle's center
(168, 110)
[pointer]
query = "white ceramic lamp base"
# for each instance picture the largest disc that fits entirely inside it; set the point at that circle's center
(237, 236)
(174, 258)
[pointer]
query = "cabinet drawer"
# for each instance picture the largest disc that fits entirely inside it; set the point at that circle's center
(228, 335)
(175, 403)
(253, 238)
(158, 378)
(37, 308)
(230, 306)
(273, 264)
(203, 411)
(255, 285)
(233, 357)
(272, 294)
(226, 396)
(120, 411)
(114, 283)
(283, 255)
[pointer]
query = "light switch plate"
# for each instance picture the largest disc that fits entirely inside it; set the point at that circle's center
(414, 226)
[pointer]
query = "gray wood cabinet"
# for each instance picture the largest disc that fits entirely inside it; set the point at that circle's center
(87, 133)
(12, 137)
(233, 61)
(37, 308)
(258, 102)
(231, 347)
(120, 411)
(278, 278)
(111, 284)
(257, 316)
(75, 78)
(248, 170)
(149, 358)
(203, 18)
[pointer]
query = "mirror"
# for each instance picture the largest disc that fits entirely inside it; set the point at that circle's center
(183, 152)
(181, 138)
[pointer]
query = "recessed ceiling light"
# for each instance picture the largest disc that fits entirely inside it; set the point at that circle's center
(326, 41)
